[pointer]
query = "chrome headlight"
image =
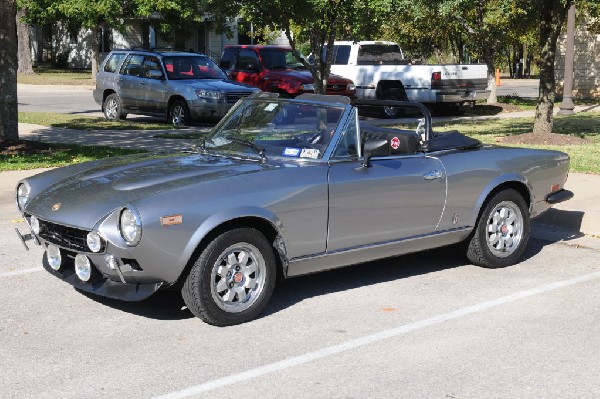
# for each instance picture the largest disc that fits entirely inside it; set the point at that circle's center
(309, 87)
(130, 226)
(22, 195)
(94, 241)
(210, 94)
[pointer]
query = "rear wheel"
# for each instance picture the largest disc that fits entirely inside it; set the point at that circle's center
(394, 95)
(232, 279)
(179, 114)
(112, 108)
(502, 231)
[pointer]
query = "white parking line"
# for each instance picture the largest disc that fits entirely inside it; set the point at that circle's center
(19, 272)
(370, 339)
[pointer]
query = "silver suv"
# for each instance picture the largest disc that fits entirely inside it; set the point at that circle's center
(180, 86)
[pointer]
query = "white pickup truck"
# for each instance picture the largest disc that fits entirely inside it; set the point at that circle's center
(380, 71)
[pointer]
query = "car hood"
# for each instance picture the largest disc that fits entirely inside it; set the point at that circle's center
(305, 76)
(88, 196)
(216, 84)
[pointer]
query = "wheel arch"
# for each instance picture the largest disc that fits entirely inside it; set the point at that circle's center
(384, 85)
(519, 184)
(210, 230)
(105, 94)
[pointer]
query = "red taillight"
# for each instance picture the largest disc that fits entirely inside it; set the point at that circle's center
(554, 188)
(436, 79)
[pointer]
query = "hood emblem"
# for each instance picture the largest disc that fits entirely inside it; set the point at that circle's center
(56, 207)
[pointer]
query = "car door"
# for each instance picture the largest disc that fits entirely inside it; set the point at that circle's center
(129, 81)
(397, 197)
(153, 88)
(248, 69)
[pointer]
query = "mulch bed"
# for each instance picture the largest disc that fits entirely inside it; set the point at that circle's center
(544, 139)
(24, 147)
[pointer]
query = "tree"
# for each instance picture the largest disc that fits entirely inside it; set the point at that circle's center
(24, 44)
(8, 71)
(318, 22)
(552, 16)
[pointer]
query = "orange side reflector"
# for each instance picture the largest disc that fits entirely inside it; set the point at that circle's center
(170, 220)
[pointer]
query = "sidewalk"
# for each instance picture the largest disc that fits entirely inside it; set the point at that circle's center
(576, 221)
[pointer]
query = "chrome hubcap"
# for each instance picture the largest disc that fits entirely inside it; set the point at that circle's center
(390, 111)
(504, 229)
(238, 277)
(110, 109)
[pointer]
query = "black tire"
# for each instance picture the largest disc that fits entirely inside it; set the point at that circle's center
(112, 108)
(502, 231)
(394, 95)
(217, 287)
(179, 113)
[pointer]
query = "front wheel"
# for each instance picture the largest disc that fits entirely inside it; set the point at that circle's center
(502, 231)
(232, 279)
(179, 113)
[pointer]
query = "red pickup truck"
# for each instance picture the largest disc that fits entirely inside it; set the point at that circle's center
(275, 69)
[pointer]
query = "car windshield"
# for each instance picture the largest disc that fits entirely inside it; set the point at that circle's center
(192, 67)
(273, 127)
(275, 58)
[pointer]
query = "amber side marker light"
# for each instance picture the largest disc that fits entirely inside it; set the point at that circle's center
(171, 220)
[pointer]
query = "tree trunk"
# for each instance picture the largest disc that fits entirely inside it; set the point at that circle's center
(24, 44)
(8, 71)
(95, 52)
(488, 56)
(552, 15)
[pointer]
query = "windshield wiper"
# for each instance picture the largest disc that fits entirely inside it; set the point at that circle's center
(259, 150)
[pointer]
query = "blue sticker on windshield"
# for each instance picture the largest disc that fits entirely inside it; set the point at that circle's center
(291, 152)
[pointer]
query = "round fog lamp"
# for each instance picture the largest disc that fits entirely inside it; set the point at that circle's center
(53, 256)
(83, 267)
(94, 242)
(35, 224)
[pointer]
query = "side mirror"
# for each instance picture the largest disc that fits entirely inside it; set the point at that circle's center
(374, 148)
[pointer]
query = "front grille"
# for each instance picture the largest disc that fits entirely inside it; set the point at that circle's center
(339, 88)
(234, 96)
(64, 236)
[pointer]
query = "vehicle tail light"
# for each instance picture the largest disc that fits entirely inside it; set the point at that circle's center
(436, 79)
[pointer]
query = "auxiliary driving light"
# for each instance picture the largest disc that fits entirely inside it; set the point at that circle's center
(94, 242)
(83, 267)
(34, 222)
(54, 257)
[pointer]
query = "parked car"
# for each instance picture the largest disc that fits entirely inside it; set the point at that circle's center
(275, 69)
(182, 87)
(380, 71)
(269, 195)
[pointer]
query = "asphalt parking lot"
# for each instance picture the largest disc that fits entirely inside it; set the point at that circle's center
(428, 325)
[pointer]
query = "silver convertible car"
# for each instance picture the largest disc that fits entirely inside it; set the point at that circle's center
(283, 187)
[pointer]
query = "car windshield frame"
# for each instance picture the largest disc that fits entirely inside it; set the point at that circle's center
(285, 129)
(191, 67)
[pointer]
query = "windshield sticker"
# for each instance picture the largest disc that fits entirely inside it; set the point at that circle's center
(291, 152)
(271, 107)
(310, 153)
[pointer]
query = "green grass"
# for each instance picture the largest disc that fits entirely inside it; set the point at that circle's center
(54, 155)
(584, 158)
(55, 76)
(79, 122)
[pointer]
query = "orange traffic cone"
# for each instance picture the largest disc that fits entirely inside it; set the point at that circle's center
(498, 81)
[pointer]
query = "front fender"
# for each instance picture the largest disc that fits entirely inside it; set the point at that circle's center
(220, 218)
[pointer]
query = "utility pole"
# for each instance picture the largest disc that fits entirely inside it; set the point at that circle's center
(566, 106)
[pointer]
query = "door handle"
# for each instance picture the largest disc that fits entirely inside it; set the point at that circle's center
(433, 174)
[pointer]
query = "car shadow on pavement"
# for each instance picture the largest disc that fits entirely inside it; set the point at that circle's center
(168, 305)
(295, 290)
